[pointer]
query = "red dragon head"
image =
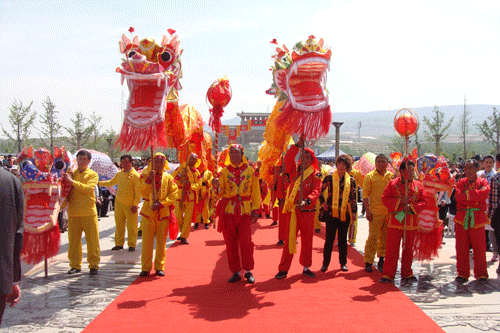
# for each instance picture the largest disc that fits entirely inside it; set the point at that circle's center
(146, 60)
(300, 81)
(303, 74)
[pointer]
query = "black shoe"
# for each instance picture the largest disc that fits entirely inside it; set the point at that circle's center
(179, 238)
(268, 216)
(411, 278)
(344, 268)
(207, 226)
(380, 265)
(385, 280)
(184, 241)
(131, 249)
(160, 273)
(461, 279)
(249, 277)
(308, 273)
(74, 271)
(483, 279)
(144, 273)
(317, 231)
(235, 278)
(93, 271)
(280, 243)
(368, 267)
(139, 233)
(274, 223)
(117, 248)
(281, 275)
(196, 225)
(324, 268)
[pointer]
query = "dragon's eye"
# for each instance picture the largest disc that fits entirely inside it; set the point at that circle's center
(166, 56)
(131, 54)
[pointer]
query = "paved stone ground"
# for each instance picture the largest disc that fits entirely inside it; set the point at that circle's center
(62, 303)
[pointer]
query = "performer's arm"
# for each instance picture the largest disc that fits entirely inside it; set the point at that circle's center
(482, 193)
(353, 195)
(172, 193)
(389, 198)
(112, 182)
(89, 187)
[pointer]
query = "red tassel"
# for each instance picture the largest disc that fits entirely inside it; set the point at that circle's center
(313, 124)
(215, 118)
(427, 244)
(173, 226)
(36, 247)
(140, 139)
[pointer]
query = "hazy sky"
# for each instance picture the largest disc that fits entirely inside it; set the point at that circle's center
(385, 54)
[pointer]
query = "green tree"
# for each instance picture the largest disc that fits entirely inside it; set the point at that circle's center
(436, 128)
(21, 120)
(464, 124)
(96, 138)
(490, 129)
(79, 135)
(397, 143)
(50, 128)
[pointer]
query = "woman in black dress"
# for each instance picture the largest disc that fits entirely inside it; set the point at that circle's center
(338, 202)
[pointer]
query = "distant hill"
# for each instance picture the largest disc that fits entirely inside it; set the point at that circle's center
(380, 123)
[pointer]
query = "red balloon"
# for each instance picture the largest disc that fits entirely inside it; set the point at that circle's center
(406, 124)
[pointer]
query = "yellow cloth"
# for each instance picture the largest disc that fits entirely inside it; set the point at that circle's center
(267, 199)
(336, 194)
(166, 196)
(194, 179)
(82, 197)
(249, 187)
(153, 229)
(377, 238)
(125, 217)
(373, 188)
(128, 191)
(88, 225)
(290, 206)
(184, 217)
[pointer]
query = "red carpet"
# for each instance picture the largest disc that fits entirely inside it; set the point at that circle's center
(195, 296)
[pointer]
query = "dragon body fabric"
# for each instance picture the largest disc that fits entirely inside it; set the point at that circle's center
(40, 173)
(302, 107)
(184, 124)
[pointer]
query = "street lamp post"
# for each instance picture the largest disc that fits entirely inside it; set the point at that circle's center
(337, 137)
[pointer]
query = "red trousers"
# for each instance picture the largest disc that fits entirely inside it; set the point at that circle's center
(283, 223)
(475, 237)
(238, 237)
(305, 224)
(276, 213)
(394, 238)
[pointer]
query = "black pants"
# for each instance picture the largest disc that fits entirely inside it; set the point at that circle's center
(332, 225)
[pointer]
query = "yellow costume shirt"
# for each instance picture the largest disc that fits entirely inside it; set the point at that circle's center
(82, 197)
(373, 188)
(128, 192)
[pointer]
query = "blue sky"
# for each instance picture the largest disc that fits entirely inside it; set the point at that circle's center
(385, 54)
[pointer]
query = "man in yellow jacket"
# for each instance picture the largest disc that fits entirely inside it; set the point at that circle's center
(157, 213)
(127, 198)
(82, 215)
(238, 207)
(188, 180)
(204, 211)
(376, 212)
